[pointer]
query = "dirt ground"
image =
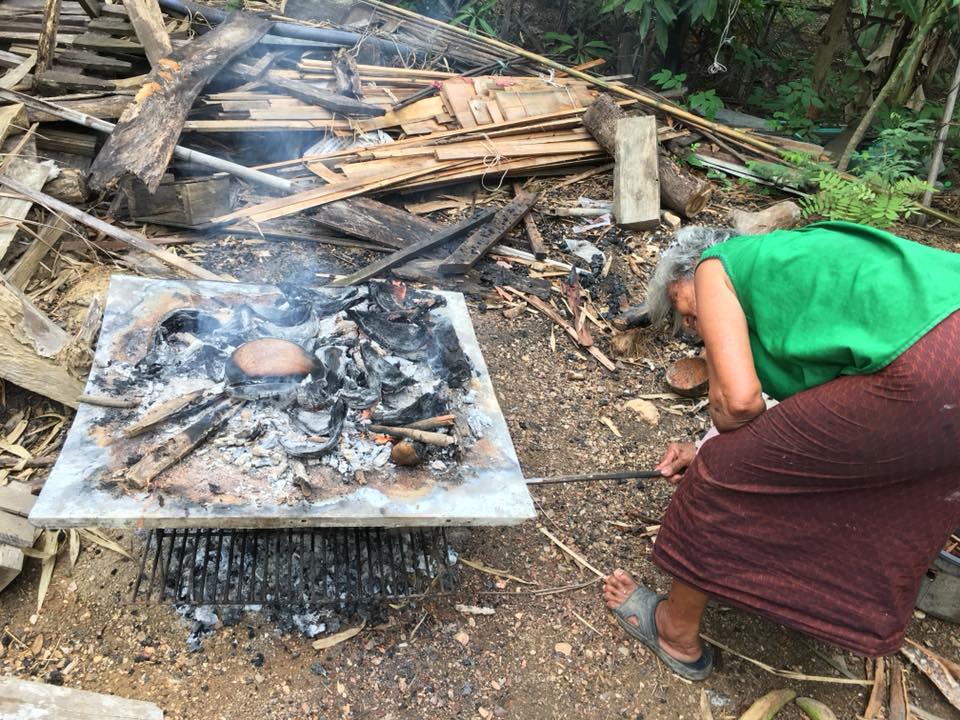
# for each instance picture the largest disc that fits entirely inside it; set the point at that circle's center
(546, 651)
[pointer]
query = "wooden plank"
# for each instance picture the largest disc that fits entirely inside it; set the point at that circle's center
(20, 698)
(11, 563)
(103, 108)
(475, 246)
(27, 264)
(95, 62)
(636, 187)
(425, 109)
(411, 251)
(147, 21)
(65, 82)
(101, 42)
(15, 531)
(537, 245)
(13, 210)
(67, 141)
(369, 219)
(143, 141)
(48, 35)
(91, 7)
(16, 500)
(506, 149)
(456, 95)
(15, 76)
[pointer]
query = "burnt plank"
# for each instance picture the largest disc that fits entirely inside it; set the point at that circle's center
(144, 139)
(475, 246)
(99, 64)
(48, 35)
(411, 251)
(378, 222)
(91, 7)
(101, 42)
(65, 82)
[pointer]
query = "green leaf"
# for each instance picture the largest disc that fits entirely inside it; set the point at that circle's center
(661, 33)
(610, 6)
(633, 6)
(487, 27)
(665, 12)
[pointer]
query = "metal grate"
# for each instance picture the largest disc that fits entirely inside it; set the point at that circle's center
(294, 566)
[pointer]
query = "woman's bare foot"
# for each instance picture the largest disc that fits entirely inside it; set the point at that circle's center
(678, 639)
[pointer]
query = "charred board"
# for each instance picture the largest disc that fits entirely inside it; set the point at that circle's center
(475, 246)
(369, 219)
(143, 141)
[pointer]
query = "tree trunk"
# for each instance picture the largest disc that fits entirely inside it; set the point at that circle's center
(942, 133)
(930, 19)
(829, 44)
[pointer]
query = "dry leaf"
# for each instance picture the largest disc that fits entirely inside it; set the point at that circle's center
(337, 638)
(462, 638)
(647, 411)
(613, 428)
(74, 547)
(51, 541)
(37, 645)
(493, 571)
(563, 648)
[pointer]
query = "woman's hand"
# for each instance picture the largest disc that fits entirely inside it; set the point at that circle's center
(676, 459)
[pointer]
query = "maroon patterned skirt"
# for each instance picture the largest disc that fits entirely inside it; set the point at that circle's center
(824, 512)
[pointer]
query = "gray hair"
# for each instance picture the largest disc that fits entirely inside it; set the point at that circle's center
(678, 262)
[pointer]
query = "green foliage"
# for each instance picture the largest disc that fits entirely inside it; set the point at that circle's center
(475, 16)
(791, 106)
(841, 198)
(706, 102)
(667, 80)
(660, 14)
(576, 48)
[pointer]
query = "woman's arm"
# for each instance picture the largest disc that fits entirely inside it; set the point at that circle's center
(735, 396)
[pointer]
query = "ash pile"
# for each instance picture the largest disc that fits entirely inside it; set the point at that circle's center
(312, 377)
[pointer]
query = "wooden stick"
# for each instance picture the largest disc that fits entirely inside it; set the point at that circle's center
(424, 436)
(27, 463)
(929, 664)
(137, 241)
(878, 693)
(431, 423)
(107, 401)
(578, 558)
(898, 692)
(160, 411)
(952, 667)
(48, 36)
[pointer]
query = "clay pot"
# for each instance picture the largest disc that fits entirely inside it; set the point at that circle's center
(269, 358)
(688, 377)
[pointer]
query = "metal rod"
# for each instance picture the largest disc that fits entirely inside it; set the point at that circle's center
(194, 156)
(625, 475)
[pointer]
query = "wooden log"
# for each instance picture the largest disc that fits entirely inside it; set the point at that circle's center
(48, 35)
(103, 108)
(177, 447)
(636, 186)
(7, 462)
(108, 401)
(680, 190)
(369, 219)
(20, 698)
(780, 216)
(137, 241)
(25, 267)
(411, 251)
(476, 246)
(147, 21)
(144, 139)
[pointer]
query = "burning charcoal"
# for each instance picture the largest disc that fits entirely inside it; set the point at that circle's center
(268, 358)
(412, 404)
(309, 449)
(324, 302)
(446, 357)
(389, 377)
(403, 338)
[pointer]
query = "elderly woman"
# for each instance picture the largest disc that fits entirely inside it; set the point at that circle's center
(823, 512)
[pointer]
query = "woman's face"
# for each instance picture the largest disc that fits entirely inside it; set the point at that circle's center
(684, 300)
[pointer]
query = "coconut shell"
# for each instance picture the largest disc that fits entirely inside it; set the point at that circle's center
(269, 358)
(405, 453)
(688, 377)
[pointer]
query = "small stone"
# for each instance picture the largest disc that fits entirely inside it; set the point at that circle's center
(467, 689)
(462, 638)
(647, 411)
(257, 660)
(563, 648)
(317, 668)
(484, 713)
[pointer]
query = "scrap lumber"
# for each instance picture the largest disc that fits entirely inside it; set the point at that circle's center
(93, 8)
(476, 246)
(929, 664)
(73, 112)
(11, 563)
(15, 531)
(147, 21)
(32, 349)
(897, 708)
(411, 251)
(137, 241)
(23, 270)
(159, 412)
(181, 444)
(48, 35)
(16, 498)
(24, 699)
(537, 244)
(369, 219)
(145, 137)
(13, 210)
(15, 76)
(191, 202)
(636, 187)
(680, 190)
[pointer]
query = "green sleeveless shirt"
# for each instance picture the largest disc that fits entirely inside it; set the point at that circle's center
(835, 298)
